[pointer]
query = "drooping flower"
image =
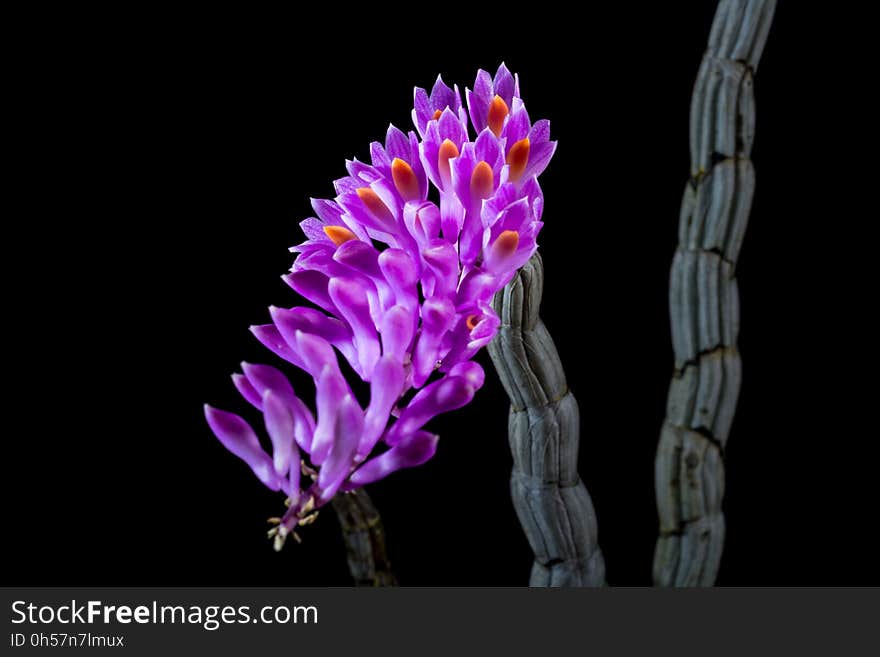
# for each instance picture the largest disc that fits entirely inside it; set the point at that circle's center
(403, 288)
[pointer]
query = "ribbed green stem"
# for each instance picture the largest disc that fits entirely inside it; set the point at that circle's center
(552, 503)
(703, 299)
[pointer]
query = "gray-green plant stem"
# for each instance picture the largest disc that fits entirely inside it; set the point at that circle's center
(364, 538)
(704, 302)
(550, 499)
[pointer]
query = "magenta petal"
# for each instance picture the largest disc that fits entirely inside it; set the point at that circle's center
(364, 259)
(330, 389)
(422, 220)
(442, 258)
(328, 211)
(314, 229)
(486, 149)
(401, 273)
(238, 437)
(316, 353)
(270, 337)
(504, 84)
(349, 427)
(385, 389)
(397, 144)
(308, 320)
(539, 158)
(477, 286)
(265, 378)
(280, 427)
(472, 372)
(540, 132)
(447, 394)
(412, 450)
(478, 101)
(518, 125)
(451, 217)
(313, 286)
(357, 214)
(422, 111)
(465, 344)
(438, 315)
(398, 325)
(350, 297)
(247, 390)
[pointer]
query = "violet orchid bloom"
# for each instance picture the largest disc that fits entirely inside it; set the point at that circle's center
(430, 108)
(403, 289)
(490, 101)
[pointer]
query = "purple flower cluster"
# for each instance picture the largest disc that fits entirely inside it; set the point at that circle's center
(404, 285)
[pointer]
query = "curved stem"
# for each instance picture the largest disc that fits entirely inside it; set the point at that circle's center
(364, 538)
(551, 501)
(704, 302)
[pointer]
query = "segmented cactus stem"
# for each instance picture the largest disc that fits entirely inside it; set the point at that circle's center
(551, 501)
(364, 538)
(703, 299)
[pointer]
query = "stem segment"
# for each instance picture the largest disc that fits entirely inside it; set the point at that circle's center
(704, 302)
(364, 539)
(551, 501)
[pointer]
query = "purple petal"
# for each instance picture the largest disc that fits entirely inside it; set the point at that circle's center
(385, 389)
(486, 149)
(465, 343)
(269, 336)
(314, 229)
(539, 158)
(350, 297)
(247, 390)
(280, 427)
(315, 351)
(518, 124)
(442, 96)
(447, 394)
(265, 378)
(422, 111)
(451, 216)
(328, 211)
(309, 320)
(478, 101)
(476, 286)
(379, 157)
(331, 388)
(438, 315)
(540, 132)
(442, 259)
(397, 144)
(360, 256)
(504, 84)
(362, 171)
(472, 372)
(313, 286)
(238, 437)
(401, 273)
(411, 451)
(349, 428)
(422, 220)
(398, 325)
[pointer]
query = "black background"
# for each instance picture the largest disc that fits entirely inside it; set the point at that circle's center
(167, 163)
